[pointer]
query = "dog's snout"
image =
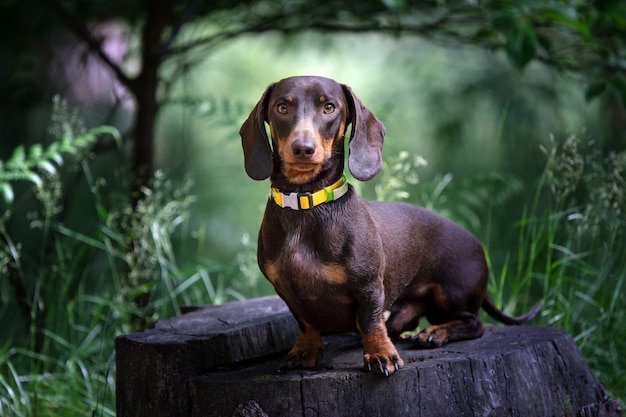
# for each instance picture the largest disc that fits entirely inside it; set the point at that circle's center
(303, 148)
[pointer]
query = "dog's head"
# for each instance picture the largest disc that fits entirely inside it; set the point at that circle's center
(308, 117)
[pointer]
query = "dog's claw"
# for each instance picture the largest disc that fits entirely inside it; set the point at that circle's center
(385, 365)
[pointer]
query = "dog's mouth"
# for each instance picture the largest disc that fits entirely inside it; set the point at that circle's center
(302, 166)
(301, 172)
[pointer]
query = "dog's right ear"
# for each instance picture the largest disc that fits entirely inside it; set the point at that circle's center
(257, 154)
(366, 141)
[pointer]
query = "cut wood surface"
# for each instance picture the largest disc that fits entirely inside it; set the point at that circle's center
(226, 360)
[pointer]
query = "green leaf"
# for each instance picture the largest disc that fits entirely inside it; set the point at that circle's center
(56, 157)
(10, 176)
(7, 192)
(34, 178)
(82, 238)
(47, 166)
(578, 25)
(503, 21)
(394, 4)
(17, 158)
(544, 42)
(521, 43)
(102, 130)
(618, 91)
(35, 152)
(519, 33)
(595, 90)
(53, 153)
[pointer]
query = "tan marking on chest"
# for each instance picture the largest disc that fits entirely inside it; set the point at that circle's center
(331, 273)
(271, 272)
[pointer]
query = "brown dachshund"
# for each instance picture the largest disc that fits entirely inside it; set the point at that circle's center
(340, 262)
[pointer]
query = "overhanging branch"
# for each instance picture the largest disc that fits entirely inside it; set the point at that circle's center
(75, 25)
(429, 29)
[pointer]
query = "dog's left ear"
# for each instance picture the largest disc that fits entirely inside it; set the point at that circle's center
(257, 153)
(366, 140)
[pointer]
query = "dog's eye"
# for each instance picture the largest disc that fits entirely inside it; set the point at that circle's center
(281, 108)
(329, 108)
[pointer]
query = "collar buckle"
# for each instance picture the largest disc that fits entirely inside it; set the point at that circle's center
(291, 201)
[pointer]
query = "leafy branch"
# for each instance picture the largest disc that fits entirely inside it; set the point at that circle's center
(28, 164)
(575, 37)
(83, 32)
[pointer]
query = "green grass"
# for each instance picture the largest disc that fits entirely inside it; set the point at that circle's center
(73, 373)
(569, 257)
(80, 266)
(77, 382)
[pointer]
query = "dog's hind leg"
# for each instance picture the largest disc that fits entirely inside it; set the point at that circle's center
(462, 327)
(404, 317)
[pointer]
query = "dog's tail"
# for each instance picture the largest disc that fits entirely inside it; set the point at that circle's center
(497, 314)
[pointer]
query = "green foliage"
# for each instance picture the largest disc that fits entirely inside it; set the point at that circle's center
(30, 164)
(90, 275)
(139, 235)
(56, 360)
(575, 36)
(463, 200)
(78, 382)
(570, 254)
(582, 37)
(398, 174)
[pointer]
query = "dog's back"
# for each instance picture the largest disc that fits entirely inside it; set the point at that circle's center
(425, 250)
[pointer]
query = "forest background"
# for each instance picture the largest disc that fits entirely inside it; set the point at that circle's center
(122, 193)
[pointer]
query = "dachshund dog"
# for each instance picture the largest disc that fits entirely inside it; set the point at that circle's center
(341, 262)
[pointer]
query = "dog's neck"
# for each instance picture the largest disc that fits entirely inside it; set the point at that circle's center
(309, 200)
(329, 185)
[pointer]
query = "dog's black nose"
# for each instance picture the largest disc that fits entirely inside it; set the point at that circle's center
(303, 148)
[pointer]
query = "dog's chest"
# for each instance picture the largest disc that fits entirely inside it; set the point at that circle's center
(316, 291)
(307, 273)
(308, 265)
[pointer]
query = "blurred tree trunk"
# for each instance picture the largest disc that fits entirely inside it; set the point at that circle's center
(144, 88)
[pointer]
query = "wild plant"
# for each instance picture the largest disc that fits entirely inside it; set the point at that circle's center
(83, 264)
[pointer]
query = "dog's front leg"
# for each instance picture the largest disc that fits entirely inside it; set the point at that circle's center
(307, 349)
(379, 353)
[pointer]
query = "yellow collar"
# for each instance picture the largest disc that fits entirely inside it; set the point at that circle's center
(303, 201)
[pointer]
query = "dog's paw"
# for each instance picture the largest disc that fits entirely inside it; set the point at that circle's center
(431, 337)
(379, 353)
(381, 363)
(307, 349)
(304, 356)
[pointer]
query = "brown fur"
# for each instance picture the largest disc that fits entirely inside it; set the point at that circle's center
(340, 265)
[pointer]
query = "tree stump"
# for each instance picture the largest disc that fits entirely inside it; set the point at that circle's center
(226, 360)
